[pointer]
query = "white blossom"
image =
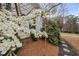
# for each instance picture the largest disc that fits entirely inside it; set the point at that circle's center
(13, 49)
(1, 38)
(45, 34)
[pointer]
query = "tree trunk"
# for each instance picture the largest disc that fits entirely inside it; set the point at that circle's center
(0, 6)
(20, 12)
(17, 10)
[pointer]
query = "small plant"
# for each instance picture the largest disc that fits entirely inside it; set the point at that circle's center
(34, 38)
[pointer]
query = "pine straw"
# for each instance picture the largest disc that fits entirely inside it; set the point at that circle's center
(37, 48)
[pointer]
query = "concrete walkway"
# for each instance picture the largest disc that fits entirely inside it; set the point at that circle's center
(66, 50)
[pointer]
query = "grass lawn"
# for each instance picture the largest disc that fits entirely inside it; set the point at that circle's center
(37, 48)
(69, 35)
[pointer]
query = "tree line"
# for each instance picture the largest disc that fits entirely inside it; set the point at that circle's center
(68, 23)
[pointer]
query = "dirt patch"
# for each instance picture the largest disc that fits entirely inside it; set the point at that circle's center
(37, 48)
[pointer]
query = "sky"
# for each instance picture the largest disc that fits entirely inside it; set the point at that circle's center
(73, 8)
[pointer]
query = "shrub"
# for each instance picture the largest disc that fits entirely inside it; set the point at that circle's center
(53, 40)
(53, 31)
(34, 35)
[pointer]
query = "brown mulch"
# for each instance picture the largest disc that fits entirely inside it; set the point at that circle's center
(74, 42)
(37, 48)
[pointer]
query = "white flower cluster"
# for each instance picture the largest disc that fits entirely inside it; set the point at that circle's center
(6, 12)
(34, 32)
(39, 34)
(23, 32)
(9, 44)
(42, 34)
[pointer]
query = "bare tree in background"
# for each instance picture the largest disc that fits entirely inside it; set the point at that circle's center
(61, 12)
(72, 25)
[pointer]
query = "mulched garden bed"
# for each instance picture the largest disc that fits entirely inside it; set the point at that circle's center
(37, 48)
